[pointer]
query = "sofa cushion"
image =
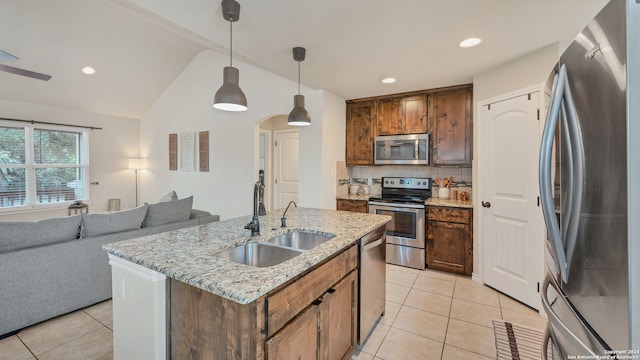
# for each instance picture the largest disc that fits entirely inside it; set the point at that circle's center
(168, 212)
(24, 234)
(118, 221)
(171, 196)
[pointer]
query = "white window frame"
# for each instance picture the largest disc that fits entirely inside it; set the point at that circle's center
(30, 166)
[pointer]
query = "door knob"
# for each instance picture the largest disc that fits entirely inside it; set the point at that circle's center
(486, 204)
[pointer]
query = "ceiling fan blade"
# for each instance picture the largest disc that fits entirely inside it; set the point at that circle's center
(31, 74)
(5, 56)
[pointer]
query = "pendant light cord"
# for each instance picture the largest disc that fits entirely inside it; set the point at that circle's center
(298, 77)
(231, 43)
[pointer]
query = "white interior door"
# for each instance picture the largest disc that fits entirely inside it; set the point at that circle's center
(285, 168)
(512, 229)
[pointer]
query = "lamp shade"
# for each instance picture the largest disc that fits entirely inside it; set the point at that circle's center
(299, 115)
(230, 97)
(136, 164)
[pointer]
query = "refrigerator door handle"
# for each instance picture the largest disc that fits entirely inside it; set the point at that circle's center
(545, 181)
(557, 323)
(568, 150)
(577, 173)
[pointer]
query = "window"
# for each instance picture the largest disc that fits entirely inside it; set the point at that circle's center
(42, 165)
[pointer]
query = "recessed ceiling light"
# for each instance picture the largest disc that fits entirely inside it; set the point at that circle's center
(88, 70)
(470, 42)
(388, 80)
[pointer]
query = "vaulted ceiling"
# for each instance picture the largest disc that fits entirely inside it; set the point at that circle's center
(139, 47)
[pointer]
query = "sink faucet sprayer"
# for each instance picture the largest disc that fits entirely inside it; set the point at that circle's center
(254, 225)
(284, 219)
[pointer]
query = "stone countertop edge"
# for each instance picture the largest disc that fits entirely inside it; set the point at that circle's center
(449, 203)
(187, 254)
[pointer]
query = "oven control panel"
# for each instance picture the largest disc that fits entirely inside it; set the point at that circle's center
(406, 183)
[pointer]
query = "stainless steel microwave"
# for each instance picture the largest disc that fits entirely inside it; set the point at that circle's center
(402, 149)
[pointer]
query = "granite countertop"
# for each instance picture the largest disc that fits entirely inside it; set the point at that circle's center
(363, 197)
(186, 254)
(449, 202)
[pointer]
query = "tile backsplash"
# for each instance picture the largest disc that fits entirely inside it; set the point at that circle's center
(374, 174)
(459, 174)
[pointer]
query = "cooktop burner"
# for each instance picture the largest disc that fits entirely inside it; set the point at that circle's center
(404, 190)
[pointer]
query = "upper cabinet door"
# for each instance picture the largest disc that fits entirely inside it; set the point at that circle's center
(451, 128)
(402, 115)
(414, 115)
(361, 119)
(389, 116)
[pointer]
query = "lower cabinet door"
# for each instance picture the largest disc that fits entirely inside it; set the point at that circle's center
(297, 340)
(338, 320)
(448, 247)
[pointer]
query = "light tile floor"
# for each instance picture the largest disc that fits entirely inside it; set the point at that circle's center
(429, 315)
(85, 334)
(437, 315)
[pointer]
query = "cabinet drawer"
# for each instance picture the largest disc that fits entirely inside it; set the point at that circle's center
(361, 206)
(288, 302)
(438, 213)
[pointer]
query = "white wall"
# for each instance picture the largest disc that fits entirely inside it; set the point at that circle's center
(525, 71)
(109, 151)
(227, 189)
(528, 70)
(334, 111)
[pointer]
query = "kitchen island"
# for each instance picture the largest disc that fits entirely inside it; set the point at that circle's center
(216, 308)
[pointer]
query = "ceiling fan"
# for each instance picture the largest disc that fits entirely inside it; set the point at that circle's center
(5, 56)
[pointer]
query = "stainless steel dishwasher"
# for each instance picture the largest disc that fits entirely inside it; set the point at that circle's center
(372, 281)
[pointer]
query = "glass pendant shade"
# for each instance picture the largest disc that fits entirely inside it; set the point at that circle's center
(299, 115)
(230, 97)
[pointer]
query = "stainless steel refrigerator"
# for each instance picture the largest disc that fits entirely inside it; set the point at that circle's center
(589, 181)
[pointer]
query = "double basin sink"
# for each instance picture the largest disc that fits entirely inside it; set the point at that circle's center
(275, 250)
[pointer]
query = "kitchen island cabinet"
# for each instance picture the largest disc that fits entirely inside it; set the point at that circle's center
(217, 309)
(449, 237)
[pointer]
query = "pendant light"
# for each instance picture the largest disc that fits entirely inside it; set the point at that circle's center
(299, 115)
(230, 97)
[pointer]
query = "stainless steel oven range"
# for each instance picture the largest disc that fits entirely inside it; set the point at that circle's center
(403, 199)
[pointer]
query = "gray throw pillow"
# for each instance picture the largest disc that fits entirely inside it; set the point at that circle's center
(171, 196)
(24, 234)
(168, 212)
(108, 223)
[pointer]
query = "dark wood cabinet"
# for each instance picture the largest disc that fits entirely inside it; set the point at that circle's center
(314, 316)
(451, 128)
(414, 115)
(450, 239)
(339, 320)
(388, 120)
(360, 132)
(445, 113)
(402, 115)
(326, 330)
(361, 206)
(286, 344)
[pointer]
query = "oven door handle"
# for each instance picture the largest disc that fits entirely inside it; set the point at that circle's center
(395, 207)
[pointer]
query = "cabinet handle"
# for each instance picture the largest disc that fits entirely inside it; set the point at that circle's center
(486, 204)
(330, 291)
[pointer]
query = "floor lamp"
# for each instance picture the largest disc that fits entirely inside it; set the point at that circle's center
(135, 165)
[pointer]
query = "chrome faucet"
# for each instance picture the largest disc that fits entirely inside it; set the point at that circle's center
(284, 219)
(254, 225)
(261, 210)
